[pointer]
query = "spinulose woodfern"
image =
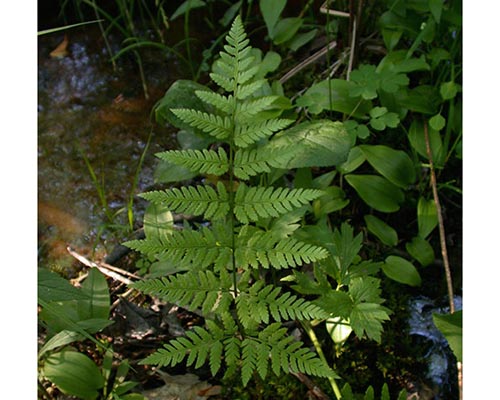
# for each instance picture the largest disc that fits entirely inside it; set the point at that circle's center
(243, 317)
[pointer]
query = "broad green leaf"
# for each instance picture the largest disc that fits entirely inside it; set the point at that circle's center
(401, 270)
(230, 13)
(355, 158)
(427, 217)
(74, 374)
(333, 200)
(285, 29)
(416, 137)
(384, 395)
(450, 326)
(367, 82)
(395, 165)
(377, 192)
(61, 339)
(269, 63)
(167, 172)
(338, 329)
(437, 122)
(271, 11)
(448, 90)
(301, 39)
(180, 95)
(158, 221)
(334, 95)
(321, 143)
(436, 8)
(191, 140)
(396, 61)
(98, 305)
(53, 287)
(187, 6)
(422, 99)
(391, 37)
(420, 250)
(370, 394)
(380, 229)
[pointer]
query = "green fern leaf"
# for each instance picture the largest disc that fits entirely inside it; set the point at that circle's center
(226, 104)
(191, 290)
(253, 203)
(246, 111)
(218, 127)
(197, 346)
(246, 135)
(261, 301)
(195, 200)
(232, 354)
(258, 248)
(201, 161)
(186, 248)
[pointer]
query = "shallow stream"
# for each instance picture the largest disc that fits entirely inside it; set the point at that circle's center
(88, 110)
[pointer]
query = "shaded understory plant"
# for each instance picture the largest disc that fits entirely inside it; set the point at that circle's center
(232, 266)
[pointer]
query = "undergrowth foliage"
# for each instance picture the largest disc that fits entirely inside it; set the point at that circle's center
(222, 259)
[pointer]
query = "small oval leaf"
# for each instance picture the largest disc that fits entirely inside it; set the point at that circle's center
(395, 165)
(158, 221)
(427, 217)
(74, 374)
(380, 229)
(401, 271)
(377, 192)
(420, 250)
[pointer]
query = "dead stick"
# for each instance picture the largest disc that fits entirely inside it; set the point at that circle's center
(104, 270)
(315, 390)
(442, 238)
(442, 235)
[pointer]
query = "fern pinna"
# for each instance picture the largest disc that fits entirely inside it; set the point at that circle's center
(220, 260)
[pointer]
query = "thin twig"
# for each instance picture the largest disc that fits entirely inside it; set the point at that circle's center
(353, 44)
(309, 60)
(442, 235)
(315, 390)
(112, 274)
(442, 238)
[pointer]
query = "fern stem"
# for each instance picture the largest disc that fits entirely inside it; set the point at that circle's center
(314, 339)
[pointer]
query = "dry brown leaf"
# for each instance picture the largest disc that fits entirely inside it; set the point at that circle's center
(61, 50)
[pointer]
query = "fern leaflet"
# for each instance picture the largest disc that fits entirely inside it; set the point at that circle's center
(201, 161)
(214, 125)
(247, 135)
(253, 203)
(192, 290)
(195, 200)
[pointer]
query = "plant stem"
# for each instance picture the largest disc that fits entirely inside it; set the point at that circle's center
(314, 339)
(442, 236)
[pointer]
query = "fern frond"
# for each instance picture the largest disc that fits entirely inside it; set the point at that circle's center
(250, 162)
(195, 200)
(197, 346)
(246, 135)
(202, 161)
(246, 90)
(258, 248)
(247, 110)
(224, 82)
(261, 301)
(192, 290)
(214, 125)
(187, 247)
(225, 104)
(253, 203)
